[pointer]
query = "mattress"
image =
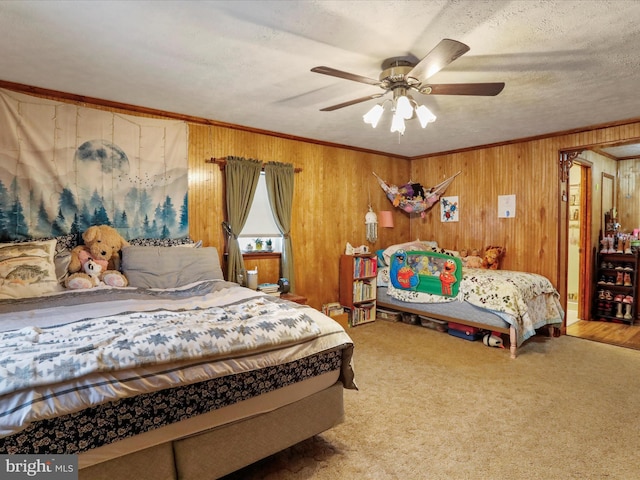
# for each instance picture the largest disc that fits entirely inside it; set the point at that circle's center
(73, 412)
(452, 309)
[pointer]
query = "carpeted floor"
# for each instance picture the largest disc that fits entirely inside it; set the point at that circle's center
(431, 406)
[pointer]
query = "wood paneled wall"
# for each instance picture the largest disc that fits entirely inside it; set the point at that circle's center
(528, 169)
(332, 195)
(331, 199)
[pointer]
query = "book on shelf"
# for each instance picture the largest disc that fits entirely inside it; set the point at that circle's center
(364, 267)
(332, 309)
(270, 288)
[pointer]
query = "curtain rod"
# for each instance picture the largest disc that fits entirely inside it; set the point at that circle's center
(223, 161)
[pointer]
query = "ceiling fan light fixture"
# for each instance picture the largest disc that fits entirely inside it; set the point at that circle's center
(403, 107)
(373, 116)
(425, 115)
(397, 123)
(401, 75)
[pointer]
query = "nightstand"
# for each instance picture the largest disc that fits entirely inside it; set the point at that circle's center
(292, 297)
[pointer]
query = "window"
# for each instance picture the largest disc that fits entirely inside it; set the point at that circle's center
(260, 222)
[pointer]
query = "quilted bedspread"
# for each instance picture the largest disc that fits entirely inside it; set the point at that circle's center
(36, 355)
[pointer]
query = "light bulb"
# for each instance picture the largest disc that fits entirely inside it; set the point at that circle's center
(425, 116)
(397, 123)
(374, 115)
(403, 107)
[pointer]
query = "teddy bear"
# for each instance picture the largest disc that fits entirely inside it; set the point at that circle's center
(491, 259)
(474, 260)
(102, 245)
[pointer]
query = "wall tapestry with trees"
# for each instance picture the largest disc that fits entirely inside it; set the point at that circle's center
(65, 167)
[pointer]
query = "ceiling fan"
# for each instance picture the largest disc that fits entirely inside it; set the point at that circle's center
(401, 75)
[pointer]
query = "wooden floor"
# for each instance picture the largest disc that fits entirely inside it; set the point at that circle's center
(607, 332)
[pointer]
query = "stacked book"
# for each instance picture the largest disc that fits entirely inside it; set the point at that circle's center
(332, 309)
(270, 289)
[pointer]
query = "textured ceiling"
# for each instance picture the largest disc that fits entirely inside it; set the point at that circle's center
(566, 64)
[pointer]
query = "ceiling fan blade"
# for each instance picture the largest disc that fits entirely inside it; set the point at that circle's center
(481, 89)
(351, 102)
(346, 75)
(442, 55)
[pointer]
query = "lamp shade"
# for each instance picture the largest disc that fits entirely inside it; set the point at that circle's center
(397, 123)
(404, 108)
(372, 117)
(425, 115)
(386, 219)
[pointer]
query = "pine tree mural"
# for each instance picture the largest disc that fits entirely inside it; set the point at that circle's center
(184, 215)
(84, 221)
(132, 186)
(146, 228)
(17, 224)
(75, 226)
(100, 217)
(43, 223)
(153, 231)
(67, 203)
(4, 210)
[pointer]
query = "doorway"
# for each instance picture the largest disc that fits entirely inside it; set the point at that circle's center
(578, 240)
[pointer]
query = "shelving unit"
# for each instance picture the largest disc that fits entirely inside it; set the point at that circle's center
(358, 287)
(616, 287)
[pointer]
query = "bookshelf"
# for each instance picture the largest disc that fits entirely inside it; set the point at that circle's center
(358, 287)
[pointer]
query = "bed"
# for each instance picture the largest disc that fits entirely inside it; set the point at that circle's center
(191, 379)
(516, 304)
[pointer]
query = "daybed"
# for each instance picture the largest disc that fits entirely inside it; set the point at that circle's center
(505, 302)
(191, 380)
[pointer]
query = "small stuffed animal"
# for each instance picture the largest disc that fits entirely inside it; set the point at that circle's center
(493, 340)
(474, 260)
(492, 256)
(102, 245)
(94, 270)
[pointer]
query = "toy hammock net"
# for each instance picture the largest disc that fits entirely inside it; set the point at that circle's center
(413, 197)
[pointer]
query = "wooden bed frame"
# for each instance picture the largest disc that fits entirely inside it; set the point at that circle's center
(225, 449)
(432, 283)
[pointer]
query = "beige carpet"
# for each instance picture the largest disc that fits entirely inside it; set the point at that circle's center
(431, 406)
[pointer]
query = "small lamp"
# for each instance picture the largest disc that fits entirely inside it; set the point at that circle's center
(386, 219)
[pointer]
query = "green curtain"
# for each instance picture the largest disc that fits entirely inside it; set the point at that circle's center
(279, 179)
(241, 176)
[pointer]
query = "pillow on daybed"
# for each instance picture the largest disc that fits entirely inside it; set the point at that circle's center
(27, 269)
(160, 267)
(418, 245)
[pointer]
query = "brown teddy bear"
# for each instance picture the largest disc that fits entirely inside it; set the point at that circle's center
(102, 245)
(492, 256)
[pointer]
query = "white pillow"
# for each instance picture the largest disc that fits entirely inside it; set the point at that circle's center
(418, 245)
(27, 269)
